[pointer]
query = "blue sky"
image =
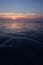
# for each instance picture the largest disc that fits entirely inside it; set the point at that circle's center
(21, 6)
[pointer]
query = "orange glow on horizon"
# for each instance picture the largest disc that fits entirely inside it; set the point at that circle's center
(19, 15)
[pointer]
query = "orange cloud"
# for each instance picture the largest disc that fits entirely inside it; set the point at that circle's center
(20, 15)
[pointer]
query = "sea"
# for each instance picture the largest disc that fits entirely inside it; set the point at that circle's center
(21, 43)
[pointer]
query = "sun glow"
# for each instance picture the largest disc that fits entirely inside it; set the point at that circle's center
(19, 15)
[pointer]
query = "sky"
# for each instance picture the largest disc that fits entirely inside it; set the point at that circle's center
(24, 6)
(21, 8)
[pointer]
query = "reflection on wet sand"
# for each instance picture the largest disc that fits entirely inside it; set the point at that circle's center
(19, 27)
(25, 40)
(27, 31)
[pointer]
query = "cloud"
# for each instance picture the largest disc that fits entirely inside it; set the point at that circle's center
(21, 17)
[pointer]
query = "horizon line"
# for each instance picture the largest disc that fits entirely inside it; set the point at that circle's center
(20, 15)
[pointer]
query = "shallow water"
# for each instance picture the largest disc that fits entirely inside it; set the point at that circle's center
(22, 41)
